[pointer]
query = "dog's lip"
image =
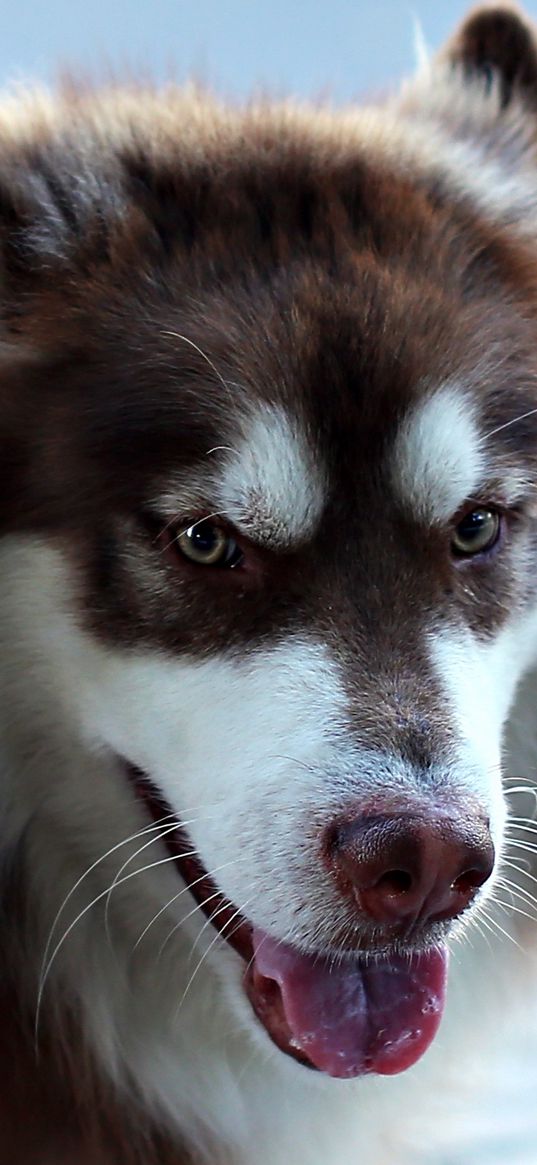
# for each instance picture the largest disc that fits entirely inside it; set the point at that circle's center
(221, 913)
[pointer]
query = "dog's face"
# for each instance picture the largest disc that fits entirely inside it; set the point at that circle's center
(281, 455)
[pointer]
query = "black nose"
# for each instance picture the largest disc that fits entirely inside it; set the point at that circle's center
(402, 869)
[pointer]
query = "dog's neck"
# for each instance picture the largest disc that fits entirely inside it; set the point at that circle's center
(48, 1117)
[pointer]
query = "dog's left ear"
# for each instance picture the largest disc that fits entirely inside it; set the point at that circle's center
(498, 42)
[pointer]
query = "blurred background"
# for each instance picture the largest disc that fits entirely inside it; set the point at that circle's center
(339, 48)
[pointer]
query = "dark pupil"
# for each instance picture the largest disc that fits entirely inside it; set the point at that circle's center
(204, 537)
(472, 525)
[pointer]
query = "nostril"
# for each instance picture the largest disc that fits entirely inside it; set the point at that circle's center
(395, 882)
(333, 839)
(469, 881)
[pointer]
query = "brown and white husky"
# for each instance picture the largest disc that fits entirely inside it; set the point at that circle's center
(268, 591)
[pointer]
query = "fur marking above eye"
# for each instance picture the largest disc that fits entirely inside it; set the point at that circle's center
(437, 460)
(274, 484)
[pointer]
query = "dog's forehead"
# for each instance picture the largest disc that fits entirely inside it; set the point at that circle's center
(368, 397)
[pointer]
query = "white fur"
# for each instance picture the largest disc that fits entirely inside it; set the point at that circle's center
(270, 483)
(437, 461)
(273, 486)
(479, 678)
(255, 755)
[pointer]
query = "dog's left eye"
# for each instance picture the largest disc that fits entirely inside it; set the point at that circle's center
(476, 532)
(207, 544)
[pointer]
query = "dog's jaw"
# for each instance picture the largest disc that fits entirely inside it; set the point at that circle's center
(347, 1016)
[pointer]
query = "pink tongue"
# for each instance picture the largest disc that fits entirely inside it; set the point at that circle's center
(355, 1017)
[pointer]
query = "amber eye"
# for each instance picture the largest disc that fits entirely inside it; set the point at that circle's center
(208, 545)
(477, 531)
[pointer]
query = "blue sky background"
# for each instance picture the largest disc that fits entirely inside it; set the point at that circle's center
(308, 47)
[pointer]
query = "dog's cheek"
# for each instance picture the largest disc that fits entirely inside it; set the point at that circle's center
(242, 750)
(479, 678)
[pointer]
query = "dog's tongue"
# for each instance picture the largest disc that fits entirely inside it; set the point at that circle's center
(349, 1018)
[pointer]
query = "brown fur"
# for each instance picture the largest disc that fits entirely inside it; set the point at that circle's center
(56, 1111)
(309, 263)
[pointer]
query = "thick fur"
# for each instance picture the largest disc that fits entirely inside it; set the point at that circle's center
(320, 327)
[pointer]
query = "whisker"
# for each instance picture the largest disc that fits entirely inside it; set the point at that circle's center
(177, 825)
(178, 925)
(510, 907)
(477, 923)
(222, 449)
(191, 525)
(139, 833)
(225, 865)
(226, 384)
(156, 916)
(517, 891)
(209, 921)
(527, 846)
(492, 922)
(293, 760)
(198, 906)
(525, 873)
(218, 935)
(507, 425)
(503, 876)
(99, 897)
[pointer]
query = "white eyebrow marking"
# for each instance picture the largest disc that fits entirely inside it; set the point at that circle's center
(438, 459)
(273, 487)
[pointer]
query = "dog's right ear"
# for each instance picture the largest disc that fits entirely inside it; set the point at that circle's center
(45, 214)
(497, 43)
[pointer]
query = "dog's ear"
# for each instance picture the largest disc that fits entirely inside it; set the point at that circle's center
(54, 211)
(497, 43)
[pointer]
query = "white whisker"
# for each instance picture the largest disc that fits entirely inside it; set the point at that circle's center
(190, 526)
(177, 825)
(199, 906)
(218, 935)
(231, 862)
(139, 833)
(99, 897)
(226, 384)
(492, 924)
(517, 891)
(510, 908)
(507, 425)
(527, 846)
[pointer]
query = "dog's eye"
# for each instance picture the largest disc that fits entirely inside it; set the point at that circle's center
(477, 531)
(208, 545)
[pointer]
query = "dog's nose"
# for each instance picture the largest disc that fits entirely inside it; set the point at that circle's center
(403, 870)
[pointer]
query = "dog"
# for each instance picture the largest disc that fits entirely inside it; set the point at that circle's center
(268, 621)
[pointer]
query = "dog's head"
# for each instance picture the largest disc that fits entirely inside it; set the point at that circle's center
(270, 435)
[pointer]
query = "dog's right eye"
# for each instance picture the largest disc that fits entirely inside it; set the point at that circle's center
(205, 543)
(477, 532)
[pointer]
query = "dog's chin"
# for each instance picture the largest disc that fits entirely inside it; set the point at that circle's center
(363, 1012)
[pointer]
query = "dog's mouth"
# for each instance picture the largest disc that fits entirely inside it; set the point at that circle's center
(344, 1017)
